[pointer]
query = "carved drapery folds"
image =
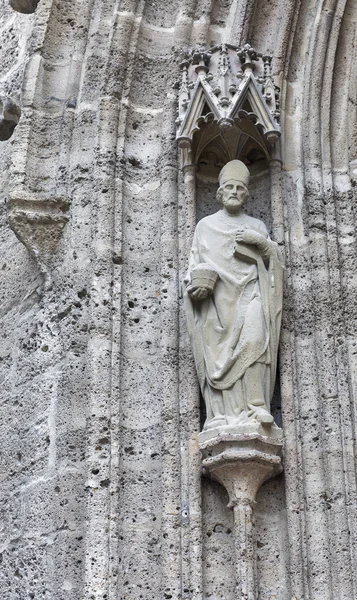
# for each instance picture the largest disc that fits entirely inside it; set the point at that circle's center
(26, 7)
(10, 114)
(228, 107)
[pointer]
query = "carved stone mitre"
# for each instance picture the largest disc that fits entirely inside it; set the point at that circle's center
(234, 170)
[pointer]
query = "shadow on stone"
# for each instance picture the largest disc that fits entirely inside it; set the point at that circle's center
(26, 7)
(9, 117)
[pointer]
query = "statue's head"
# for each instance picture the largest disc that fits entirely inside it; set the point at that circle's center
(233, 185)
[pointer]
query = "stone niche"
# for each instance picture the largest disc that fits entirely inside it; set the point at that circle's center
(229, 109)
(270, 536)
(218, 519)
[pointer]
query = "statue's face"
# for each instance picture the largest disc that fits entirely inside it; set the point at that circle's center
(233, 195)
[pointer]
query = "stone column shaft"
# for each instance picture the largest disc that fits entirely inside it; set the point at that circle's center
(244, 548)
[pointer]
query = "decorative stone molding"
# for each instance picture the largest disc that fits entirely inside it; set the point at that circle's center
(10, 114)
(38, 223)
(228, 106)
(26, 7)
(242, 463)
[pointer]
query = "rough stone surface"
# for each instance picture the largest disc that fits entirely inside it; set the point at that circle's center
(102, 496)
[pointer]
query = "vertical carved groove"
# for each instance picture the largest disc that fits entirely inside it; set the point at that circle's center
(123, 50)
(343, 265)
(277, 201)
(238, 22)
(324, 254)
(102, 418)
(189, 395)
(189, 407)
(170, 422)
(202, 22)
(334, 413)
(245, 551)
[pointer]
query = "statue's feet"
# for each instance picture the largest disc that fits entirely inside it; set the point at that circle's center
(215, 422)
(263, 416)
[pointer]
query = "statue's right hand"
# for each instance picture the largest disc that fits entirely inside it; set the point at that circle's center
(199, 293)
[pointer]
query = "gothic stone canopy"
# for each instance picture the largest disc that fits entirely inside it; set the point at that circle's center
(228, 107)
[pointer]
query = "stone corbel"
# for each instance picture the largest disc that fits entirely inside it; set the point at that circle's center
(242, 463)
(26, 7)
(10, 114)
(38, 223)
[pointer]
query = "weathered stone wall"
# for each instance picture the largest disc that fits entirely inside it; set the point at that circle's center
(101, 486)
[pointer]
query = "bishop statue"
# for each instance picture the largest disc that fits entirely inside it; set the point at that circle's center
(233, 303)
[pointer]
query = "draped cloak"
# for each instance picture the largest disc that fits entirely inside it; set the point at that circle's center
(239, 324)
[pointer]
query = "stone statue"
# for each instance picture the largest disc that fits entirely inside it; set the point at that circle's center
(233, 302)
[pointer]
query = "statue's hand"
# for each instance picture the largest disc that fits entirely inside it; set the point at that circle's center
(199, 293)
(253, 238)
(248, 236)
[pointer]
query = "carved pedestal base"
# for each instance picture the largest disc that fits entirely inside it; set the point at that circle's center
(241, 463)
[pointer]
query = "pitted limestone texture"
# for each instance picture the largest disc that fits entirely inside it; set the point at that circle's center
(101, 488)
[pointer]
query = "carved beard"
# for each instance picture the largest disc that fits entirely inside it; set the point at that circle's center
(232, 202)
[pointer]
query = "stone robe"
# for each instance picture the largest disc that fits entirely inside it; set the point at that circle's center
(239, 324)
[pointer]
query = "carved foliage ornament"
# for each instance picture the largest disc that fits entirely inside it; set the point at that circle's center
(228, 105)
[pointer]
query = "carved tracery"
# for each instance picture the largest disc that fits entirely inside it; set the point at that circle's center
(228, 108)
